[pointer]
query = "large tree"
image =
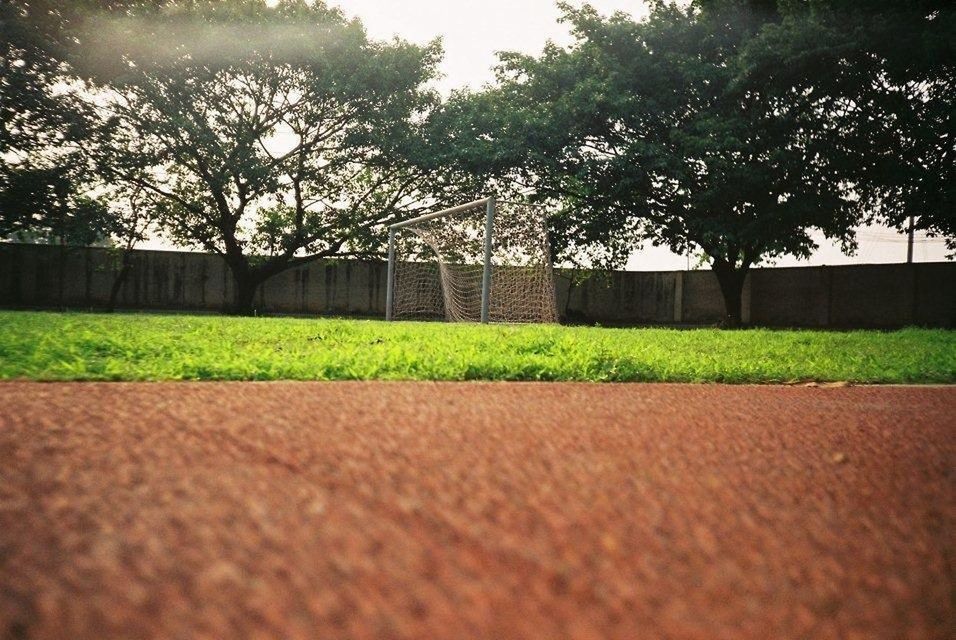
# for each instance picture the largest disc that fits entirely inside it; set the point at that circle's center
(47, 188)
(269, 135)
(641, 131)
(888, 70)
(645, 132)
(39, 197)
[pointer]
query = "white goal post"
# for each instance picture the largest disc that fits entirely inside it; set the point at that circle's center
(483, 261)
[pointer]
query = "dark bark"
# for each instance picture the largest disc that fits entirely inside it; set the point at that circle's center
(247, 279)
(61, 267)
(244, 295)
(120, 279)
(731, 279)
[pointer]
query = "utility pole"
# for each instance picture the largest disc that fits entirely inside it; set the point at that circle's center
(909, 242)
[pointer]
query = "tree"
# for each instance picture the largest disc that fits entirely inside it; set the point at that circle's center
(132, 214)
(269, 135)
(888, 69)
(47, 189)
(645, 132)
(37, 193)
(43, 203)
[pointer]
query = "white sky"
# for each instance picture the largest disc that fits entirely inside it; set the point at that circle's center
(473, 31)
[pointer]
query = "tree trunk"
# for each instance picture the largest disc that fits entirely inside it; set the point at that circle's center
(120, 279)
(244, 295)
(61, 280)
(731, 281)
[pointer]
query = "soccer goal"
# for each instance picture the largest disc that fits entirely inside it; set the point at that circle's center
(485, 261)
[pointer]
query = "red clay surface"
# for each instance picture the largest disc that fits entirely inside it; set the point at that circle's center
(394, 510)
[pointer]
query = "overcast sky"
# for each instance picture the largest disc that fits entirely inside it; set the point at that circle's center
(472, 31)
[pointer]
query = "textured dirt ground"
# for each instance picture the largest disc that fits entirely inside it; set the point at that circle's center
(394, 510)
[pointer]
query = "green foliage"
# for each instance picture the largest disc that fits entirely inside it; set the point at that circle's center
(269, 135)
(646, 132)
(277, 134)
(883, 74)
(38, 181)
(728, 127)
(51, 346)
(48, 187)
(41, 203)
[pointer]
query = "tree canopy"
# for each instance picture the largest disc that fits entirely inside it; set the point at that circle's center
(46, 187)
(888, 71)
(269, 135)
(644, 132)
(700, 128)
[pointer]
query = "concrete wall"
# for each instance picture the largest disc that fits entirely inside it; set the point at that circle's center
(873, 295)
(45, 276)
(618, 297)
(879, 296)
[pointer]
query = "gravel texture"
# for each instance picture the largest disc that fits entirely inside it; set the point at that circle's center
(481, 510)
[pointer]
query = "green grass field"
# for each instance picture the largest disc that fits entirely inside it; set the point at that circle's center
(79, 346)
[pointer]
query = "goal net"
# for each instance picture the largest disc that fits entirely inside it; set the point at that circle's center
(486, 261)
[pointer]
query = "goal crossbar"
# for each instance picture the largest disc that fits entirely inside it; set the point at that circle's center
(438, 214)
